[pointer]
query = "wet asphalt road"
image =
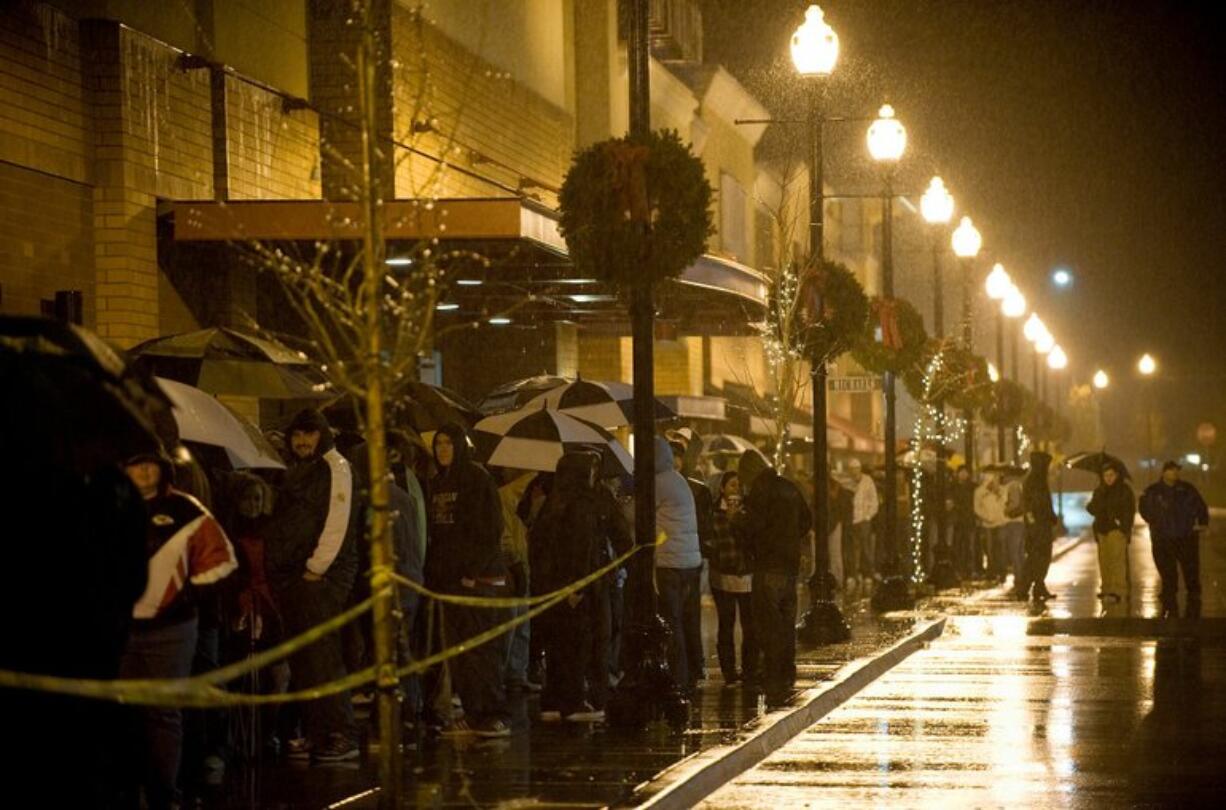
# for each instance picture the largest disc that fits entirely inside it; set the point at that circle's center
(1092, 713)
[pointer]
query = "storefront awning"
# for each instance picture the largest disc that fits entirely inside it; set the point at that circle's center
(529, 259)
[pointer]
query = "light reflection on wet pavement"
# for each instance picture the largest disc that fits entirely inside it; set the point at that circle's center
(992, 715)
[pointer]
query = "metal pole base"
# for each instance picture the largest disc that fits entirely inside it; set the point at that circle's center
(823, 623)
(894, 593)
(647, 692)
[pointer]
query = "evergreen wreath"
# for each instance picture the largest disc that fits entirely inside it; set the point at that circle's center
(635, 210)
(844, 310)
(962, 380)
(894, 338)
(1004, 407)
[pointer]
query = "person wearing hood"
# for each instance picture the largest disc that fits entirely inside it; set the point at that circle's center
(776, 521)
(188, 552)
(465, 557)
(1114, 509)
(1177, 516)
(678, 566)
(1040, 518)
(575, 534)
(311, 552)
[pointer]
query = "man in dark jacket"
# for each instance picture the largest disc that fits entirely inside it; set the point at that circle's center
(465, 557)
(967, 558)
(1040, 519)
(776, 521)
(312, 558)
(1114, 508)
(1177, 515)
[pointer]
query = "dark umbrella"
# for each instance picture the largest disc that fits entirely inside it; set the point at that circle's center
(1095, 462)
(514, 395)
(70, 399)
(429, 407)
(227, 361)
(1003, 469)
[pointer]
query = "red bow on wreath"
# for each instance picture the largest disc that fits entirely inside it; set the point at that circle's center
(809, 297)
(629, 181)
(887, 310)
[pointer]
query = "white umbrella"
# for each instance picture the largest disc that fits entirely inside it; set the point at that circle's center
(608, 404)
(201, 418)
(534, 439)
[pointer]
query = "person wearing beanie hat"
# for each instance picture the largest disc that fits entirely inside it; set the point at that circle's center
(188, 551)
(312, 560)
(776, 521)
(1177, 517)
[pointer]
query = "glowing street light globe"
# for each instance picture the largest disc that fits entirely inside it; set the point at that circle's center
(966, 240)
(1033, 329)
(937, 204)
(1045, 343)
(1014, 303)
(887, 137)
(998, 283)
(815, 45)
(1101, 380)
(1147, 365)
(1057, 360)
(993, 374)
(1062, 277)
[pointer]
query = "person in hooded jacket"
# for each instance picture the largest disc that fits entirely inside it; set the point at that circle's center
(685, 460)
(1177, 516)
(576, 533)
(311, 554)
(1040, 520)
(1114, 508)
(465, 557)
(678, 567)
(776, 521)
(188, 551)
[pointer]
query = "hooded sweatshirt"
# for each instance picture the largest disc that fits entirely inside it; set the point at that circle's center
(776, 518)
(316, 523)
(1114, 508)
(676, 515)
(1036, 496)
(465, 521)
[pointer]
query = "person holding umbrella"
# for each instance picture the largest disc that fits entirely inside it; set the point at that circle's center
(1114, 508)
(1177, 516)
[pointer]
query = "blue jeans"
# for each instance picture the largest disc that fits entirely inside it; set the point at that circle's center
(1013, 537)
(682, 611)
(517, 644)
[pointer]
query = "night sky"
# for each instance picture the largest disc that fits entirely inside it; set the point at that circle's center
(1082, 134)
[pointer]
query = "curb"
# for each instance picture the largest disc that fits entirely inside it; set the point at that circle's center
(691, 780)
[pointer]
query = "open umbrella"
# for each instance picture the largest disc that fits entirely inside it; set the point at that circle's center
(69, 398)
(227, 361)
(1007, 470)
(1095, 461)
(201, 418)
(725, 444)
(514, 395)
(534, 439)
(428, 407)
(608, 404)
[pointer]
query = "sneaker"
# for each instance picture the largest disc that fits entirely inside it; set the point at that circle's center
(339, 749)
(493, 728)
(298, 748)
(551, 716)
(586, 714)
(360, 699)
(458, 728)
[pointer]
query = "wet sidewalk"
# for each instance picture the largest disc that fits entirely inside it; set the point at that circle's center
(1070, 708)
(584, 764)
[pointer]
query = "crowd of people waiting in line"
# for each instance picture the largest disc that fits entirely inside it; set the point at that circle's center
(285, 553)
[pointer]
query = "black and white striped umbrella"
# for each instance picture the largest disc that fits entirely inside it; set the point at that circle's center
(534, 439)
(609, 404)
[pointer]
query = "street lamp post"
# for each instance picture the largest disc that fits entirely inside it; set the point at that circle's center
(966, 243)
(815, 50)
(1057, 361)
(1148, 367)
(998, 285)
(887, 140)
(1014, 308)
(1100, 382)
(937, 207)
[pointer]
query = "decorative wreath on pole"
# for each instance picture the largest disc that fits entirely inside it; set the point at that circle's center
(635, 210)
(961, 379)
(843, 309)
(894, 340)
(1004, 408)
